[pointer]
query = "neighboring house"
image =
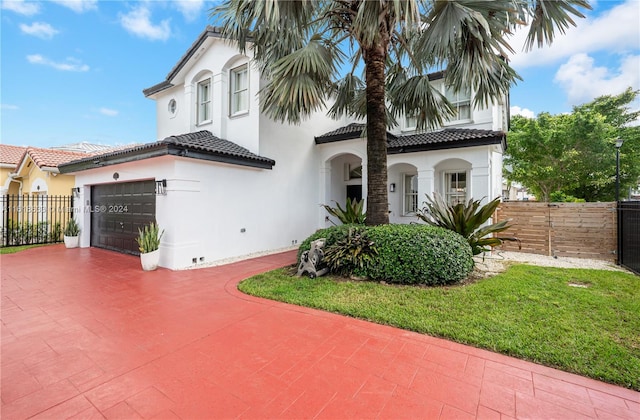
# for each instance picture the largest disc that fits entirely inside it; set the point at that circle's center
(84, 147)
(36, 173)
(9, 158)
(226, 182)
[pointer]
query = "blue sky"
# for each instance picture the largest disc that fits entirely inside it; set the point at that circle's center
(74, 70)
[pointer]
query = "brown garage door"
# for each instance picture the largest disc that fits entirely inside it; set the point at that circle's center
(118, 210)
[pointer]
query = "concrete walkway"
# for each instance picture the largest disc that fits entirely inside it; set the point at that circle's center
(87, 334)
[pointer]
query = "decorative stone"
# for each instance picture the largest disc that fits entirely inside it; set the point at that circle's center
(311, 261)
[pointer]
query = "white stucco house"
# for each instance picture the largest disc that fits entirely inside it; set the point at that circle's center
(225, 181)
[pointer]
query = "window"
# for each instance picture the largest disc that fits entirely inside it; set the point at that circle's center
(239, 90)
(410, 194)
(172, 107)
(410, 123)
(204, 101)
(455, 187)
(461, 102)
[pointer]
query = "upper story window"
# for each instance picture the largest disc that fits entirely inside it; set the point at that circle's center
(410, 123)
(204, 101)
(239, 90)
(172, 107)
(461, 102)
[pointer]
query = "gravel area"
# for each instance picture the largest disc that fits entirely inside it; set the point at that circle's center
(496, 261)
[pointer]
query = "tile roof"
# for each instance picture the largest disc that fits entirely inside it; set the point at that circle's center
(207, 142)
(11, 155)
(446, 138)
(348, 132)
(442, 139)
(199, 145)
(50, 158)
(86, 147)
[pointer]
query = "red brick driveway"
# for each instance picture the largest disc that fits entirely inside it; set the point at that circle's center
(87, 334)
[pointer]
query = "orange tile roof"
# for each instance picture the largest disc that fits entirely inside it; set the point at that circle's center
(52, 158)
(11, 154)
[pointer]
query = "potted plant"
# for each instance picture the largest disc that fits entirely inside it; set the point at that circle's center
(71, 232)
(149, 244)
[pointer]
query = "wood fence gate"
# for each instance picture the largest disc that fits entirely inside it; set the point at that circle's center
(582, 230)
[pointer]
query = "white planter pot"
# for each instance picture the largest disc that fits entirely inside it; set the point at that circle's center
(71, 241)
(150, 260)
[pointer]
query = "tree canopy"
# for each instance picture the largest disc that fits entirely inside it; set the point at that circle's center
(574, 154)
(302, 49)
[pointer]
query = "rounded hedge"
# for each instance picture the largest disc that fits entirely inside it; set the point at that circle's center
(409, 254)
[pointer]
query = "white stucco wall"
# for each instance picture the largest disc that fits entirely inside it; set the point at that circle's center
(215, 60)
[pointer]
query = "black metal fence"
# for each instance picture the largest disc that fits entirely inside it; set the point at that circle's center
(34, 219)
(629, 235)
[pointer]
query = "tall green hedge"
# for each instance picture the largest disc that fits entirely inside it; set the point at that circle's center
(409, 254)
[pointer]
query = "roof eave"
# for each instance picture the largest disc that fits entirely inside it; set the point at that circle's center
(221, 157)
(162, 149)
(99, 161)
(209, 32)
(445, 145)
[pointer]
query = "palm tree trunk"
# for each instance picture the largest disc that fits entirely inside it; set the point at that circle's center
(377, 196)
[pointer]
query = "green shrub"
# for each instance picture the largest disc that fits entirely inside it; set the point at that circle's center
(353, 252)
(404, 254)
(419, 254)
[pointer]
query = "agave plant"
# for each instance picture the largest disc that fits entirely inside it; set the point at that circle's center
(353, 213)
(467, 220)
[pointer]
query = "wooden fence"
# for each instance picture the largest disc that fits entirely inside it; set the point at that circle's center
(582, 230)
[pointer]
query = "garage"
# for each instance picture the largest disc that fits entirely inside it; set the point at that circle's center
(118, 210)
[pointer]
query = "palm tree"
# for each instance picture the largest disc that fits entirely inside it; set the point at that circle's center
(310, 52)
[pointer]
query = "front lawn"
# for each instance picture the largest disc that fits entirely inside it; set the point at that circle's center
(18, 248)
(581, 321)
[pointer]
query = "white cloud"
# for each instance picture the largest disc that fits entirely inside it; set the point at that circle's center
(525, 112)
(71, 64)
(21, 7)
(9, 107)
(614, 31)
(138, 22)
(190, 9)
(39, 29)
(583, 80)
(108, 112)
(78, 6)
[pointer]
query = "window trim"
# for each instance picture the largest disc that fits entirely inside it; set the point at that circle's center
(457, 103)
(406, 194)
(206, 103)
(233, 91)
(445, 188)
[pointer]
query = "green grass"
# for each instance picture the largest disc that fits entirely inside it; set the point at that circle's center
(527, 312)
(14, 249)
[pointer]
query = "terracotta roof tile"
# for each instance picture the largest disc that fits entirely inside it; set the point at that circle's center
(11, 154)
(52, 158)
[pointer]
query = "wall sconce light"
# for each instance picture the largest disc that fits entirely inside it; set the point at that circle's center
(116, 176)
(392, 187)
(161, 187)
(75, 191)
